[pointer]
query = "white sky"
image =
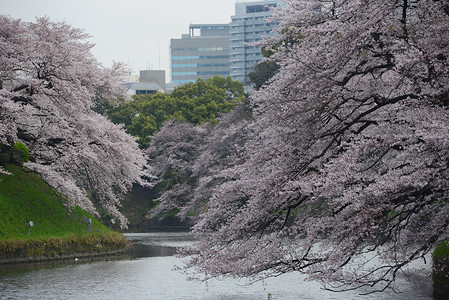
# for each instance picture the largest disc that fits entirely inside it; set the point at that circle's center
(135, 32)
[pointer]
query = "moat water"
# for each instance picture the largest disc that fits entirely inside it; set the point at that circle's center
(148, 273)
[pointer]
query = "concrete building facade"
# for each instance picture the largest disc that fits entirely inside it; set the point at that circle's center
(149, 82)
(248, 25)
(203, 53)
(156, 76)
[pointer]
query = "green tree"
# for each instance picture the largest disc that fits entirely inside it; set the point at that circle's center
(264, 70)
(196, 103)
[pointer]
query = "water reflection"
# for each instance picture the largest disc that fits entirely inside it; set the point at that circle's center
(156, 244)
(149, 275)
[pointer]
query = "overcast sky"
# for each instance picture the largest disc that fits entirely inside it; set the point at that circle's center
(135, 32)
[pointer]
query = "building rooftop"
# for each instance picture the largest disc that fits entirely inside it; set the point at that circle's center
(143, 86)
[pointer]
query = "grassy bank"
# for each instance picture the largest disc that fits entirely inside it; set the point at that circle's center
(56, 230)
(56, 247)
(440, 274)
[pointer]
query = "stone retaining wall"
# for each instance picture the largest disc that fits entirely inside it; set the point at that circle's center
(61, 258)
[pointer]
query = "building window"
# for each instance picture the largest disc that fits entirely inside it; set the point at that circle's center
(178, 66)
(259, 8)
(207, 49)
(180, 74)
(199, 57)
(177, 82)
(146, 92)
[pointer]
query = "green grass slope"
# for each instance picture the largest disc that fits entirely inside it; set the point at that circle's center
(25, 197)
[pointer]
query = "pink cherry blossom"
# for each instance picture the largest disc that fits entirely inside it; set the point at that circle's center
(49, 82)
(346, 167)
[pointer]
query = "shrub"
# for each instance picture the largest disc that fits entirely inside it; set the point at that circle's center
(441, 271)
(4, 159)
(21, 153)
(5, 148)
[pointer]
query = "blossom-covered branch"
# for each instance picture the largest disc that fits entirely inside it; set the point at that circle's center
(49, 82)
(345, 176)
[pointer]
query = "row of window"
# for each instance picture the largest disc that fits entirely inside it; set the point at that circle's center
(200, 57)
(212, 27)
(174, 66)
(200, 73)
(146, 92)
(183, 81)
(207, 49)
(241, 26)
(259, 8)
(245, 18)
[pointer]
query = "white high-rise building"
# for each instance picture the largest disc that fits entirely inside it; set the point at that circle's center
(248, 25)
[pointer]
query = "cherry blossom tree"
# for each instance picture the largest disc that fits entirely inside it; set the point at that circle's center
(49, 82)
(188, 159)
(173, 152)
(345, 177)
